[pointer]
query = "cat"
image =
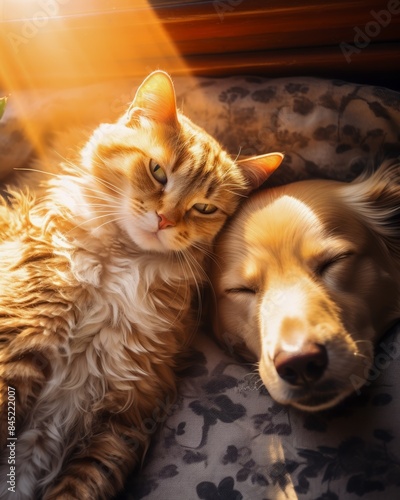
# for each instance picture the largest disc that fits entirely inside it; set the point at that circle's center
(98, 281)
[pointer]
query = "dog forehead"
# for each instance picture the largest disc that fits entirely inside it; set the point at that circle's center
(284, 218)
(268, 233)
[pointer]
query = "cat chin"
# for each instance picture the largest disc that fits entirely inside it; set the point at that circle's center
(148, 241)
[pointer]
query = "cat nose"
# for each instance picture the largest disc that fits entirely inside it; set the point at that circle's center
(163, 222)
(302, 366)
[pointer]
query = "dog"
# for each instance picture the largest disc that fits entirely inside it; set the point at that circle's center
(306, 279)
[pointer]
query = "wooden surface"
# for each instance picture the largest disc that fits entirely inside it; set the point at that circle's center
(67, 42)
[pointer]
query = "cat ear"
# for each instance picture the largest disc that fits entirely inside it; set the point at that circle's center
(155, 99)
(257, 169)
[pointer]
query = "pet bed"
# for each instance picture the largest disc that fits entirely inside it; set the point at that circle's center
(225, 438)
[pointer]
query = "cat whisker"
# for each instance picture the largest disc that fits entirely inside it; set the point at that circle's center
(88, 221)
(111, 186)
(186, 269)
(241, 195)
(252, 375)
(192, 261)
(69, 163)
(101, 181)
(259, 384)
(187, 290)
(172, 299)
(106, 210)
(237, 156)
(102, 196)
(227, 185)
(96, 194)
(253, 365)
(63, 158)
(111, 221)
(191, 258)
(205, 250)
(37, 170)
(211, 256)
(99, 205)
(227, 172)
(235, 188)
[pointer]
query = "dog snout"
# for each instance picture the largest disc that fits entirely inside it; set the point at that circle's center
(300, 365)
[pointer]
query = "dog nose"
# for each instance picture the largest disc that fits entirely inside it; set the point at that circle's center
(304, 365)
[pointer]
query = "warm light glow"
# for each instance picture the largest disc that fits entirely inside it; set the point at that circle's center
(65, 43)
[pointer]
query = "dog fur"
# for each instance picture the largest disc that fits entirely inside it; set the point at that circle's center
(307, 279)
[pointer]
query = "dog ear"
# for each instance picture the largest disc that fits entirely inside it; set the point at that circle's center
(377, 200)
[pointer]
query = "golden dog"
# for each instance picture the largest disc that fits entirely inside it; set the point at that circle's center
(306, 279)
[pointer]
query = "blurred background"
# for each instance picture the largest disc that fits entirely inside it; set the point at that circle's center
(63, 43)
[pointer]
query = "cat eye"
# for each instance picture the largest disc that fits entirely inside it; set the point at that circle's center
(205, 208)
(158, 172)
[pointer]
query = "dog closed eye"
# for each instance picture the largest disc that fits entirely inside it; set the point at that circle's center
(325, 264)
(241, 290)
